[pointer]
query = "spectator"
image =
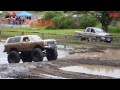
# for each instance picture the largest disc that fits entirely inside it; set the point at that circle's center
(29, 18)
(20, 21)
(23, 20)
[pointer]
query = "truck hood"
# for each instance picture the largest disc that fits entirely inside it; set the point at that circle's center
(49, 40)
(103, 34)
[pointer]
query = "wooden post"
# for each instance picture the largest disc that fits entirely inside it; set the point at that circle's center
(65, 37)
(90, 38)
(0, 34)
(43, 35)
(22, 32)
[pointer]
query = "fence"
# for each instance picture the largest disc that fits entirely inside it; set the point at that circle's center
(61, 38)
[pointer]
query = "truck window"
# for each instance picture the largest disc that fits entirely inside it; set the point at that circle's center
(88, 30)
(92, 30)
(26, 39)
(35, 38)
(14, 40)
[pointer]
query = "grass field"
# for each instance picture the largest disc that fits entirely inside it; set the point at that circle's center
(5, 35)
(41, 30)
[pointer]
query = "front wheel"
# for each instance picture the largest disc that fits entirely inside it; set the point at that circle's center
(51, 54)
(13, 57)
(108, 40)
(37, 55)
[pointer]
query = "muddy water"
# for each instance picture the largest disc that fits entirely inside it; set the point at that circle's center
(108, 53)
(94, 70)
(65, 47)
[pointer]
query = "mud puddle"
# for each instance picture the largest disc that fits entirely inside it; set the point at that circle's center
(65, 47)
(94, 70)
(107, 53)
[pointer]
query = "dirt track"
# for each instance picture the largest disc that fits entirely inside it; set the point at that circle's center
(50, 70)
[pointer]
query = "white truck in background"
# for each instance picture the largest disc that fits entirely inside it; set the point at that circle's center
(93, 33)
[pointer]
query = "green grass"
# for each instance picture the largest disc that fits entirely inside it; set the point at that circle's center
(69, 40)
(115, 34)
(38, 29)
(41, 29)
(114, 29)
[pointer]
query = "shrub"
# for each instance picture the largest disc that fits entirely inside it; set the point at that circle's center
(65, 22)
(114, 29)
(51, 14)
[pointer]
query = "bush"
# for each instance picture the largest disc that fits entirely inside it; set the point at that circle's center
(65, 22)
(51, 14)
(114, 29)
(87, 21)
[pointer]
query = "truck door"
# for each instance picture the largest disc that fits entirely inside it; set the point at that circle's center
(25, 44)
(93, 33)
(92, 30)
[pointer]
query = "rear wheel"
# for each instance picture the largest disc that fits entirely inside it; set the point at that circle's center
(81, 39)
(13, 57)
(51, 54)
(37, 55)
(98, 39)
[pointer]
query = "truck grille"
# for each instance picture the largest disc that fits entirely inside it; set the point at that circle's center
(50, 42)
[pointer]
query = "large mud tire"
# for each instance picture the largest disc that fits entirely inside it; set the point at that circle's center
(13, 57)
(51, 54)
(26, 57)
(37, 55)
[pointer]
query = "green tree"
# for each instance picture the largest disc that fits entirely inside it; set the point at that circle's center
(102, 16)
(104, 19)
(87, 21)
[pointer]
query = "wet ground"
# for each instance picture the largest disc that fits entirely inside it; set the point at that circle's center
(74, 62)
(94, 70)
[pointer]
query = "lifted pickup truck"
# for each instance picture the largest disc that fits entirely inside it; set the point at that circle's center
(30, 48)
(95, 34)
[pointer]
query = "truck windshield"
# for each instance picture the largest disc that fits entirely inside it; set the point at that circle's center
(35, 38)
(98, 30)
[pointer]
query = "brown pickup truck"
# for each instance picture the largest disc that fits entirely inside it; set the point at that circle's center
(30, 48)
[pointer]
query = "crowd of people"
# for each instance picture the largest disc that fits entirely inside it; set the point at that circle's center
(13, 19)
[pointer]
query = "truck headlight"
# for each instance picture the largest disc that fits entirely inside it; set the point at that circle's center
(45, 42)
(102, 38)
